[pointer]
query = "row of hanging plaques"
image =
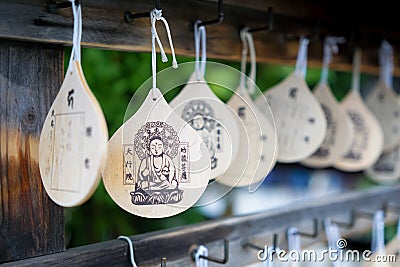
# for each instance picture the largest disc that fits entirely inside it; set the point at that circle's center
(160, 161)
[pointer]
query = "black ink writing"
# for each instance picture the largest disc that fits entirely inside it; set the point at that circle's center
(293, 93)
(70, 98)
(330, 137)
(89, 131)
(360, 141)
(87, 163)
(242, 112)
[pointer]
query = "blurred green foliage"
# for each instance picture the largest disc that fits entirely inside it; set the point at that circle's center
(113, 77)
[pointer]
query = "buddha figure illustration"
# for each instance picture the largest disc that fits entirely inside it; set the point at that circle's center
(200, 116)
(156, 144)
(157, 171)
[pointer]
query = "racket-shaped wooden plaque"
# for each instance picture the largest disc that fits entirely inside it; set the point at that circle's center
(73, 142)
(339, 134)
(258, 144)
(211, 119)
(157, 166)
(386, 169)
(368, 136)
(383, 102)
(299, 119)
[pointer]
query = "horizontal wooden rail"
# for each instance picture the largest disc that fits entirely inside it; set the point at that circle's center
(105, 28)
(174, 244)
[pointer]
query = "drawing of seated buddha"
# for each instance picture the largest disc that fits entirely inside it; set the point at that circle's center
(157, 181)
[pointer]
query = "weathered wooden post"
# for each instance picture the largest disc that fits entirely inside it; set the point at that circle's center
(30, 223)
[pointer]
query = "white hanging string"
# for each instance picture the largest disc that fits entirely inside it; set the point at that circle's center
(200, 41)
(77, 33)
(386, 63)
(248, 46)
(201, 251)
(294, 242)
(356, 70)
(333, 236)
(243, 62)
(294, 245)
(156, 15)
(330, 48)
(378, 232)
(269, 262)
(127, 239)
(301, 62)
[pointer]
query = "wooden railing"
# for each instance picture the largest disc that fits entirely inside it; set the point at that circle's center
(31, 70)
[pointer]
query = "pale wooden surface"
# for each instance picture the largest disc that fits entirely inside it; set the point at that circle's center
(222, 141)
(258, 144)
(198, 160)
(368, 136)
(30, 223)
(383, 102)
(340, 131)
(73, 142)
(386, 169)
(300, 121)
(104, 27)
(393, 246)
(174, 243)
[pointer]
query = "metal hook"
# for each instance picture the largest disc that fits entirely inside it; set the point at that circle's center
(314, 234)
(256, 247)
(212, 259)
(53, 6)
(218, 20)
(353, 216)
(270, 24)
(129, 16)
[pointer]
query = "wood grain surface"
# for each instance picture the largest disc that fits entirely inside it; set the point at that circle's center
(104, 27)
(30, 223)
(175, 243)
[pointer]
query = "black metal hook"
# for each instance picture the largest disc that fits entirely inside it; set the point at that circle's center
(218, 20)
(254, 246)
(270, 22)
(129, 16)
(354, 215)
(53, 6)
(314, 234)
(212, 259)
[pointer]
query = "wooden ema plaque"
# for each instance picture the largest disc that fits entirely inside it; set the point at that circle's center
(212, 120)
(157, 166)
(339, 133)
(383, 102)
(299, 119)
(258, 144)
(73, 142)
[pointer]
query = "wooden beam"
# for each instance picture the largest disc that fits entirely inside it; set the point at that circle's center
(30, 223)
(175, 243)
(104, 27)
